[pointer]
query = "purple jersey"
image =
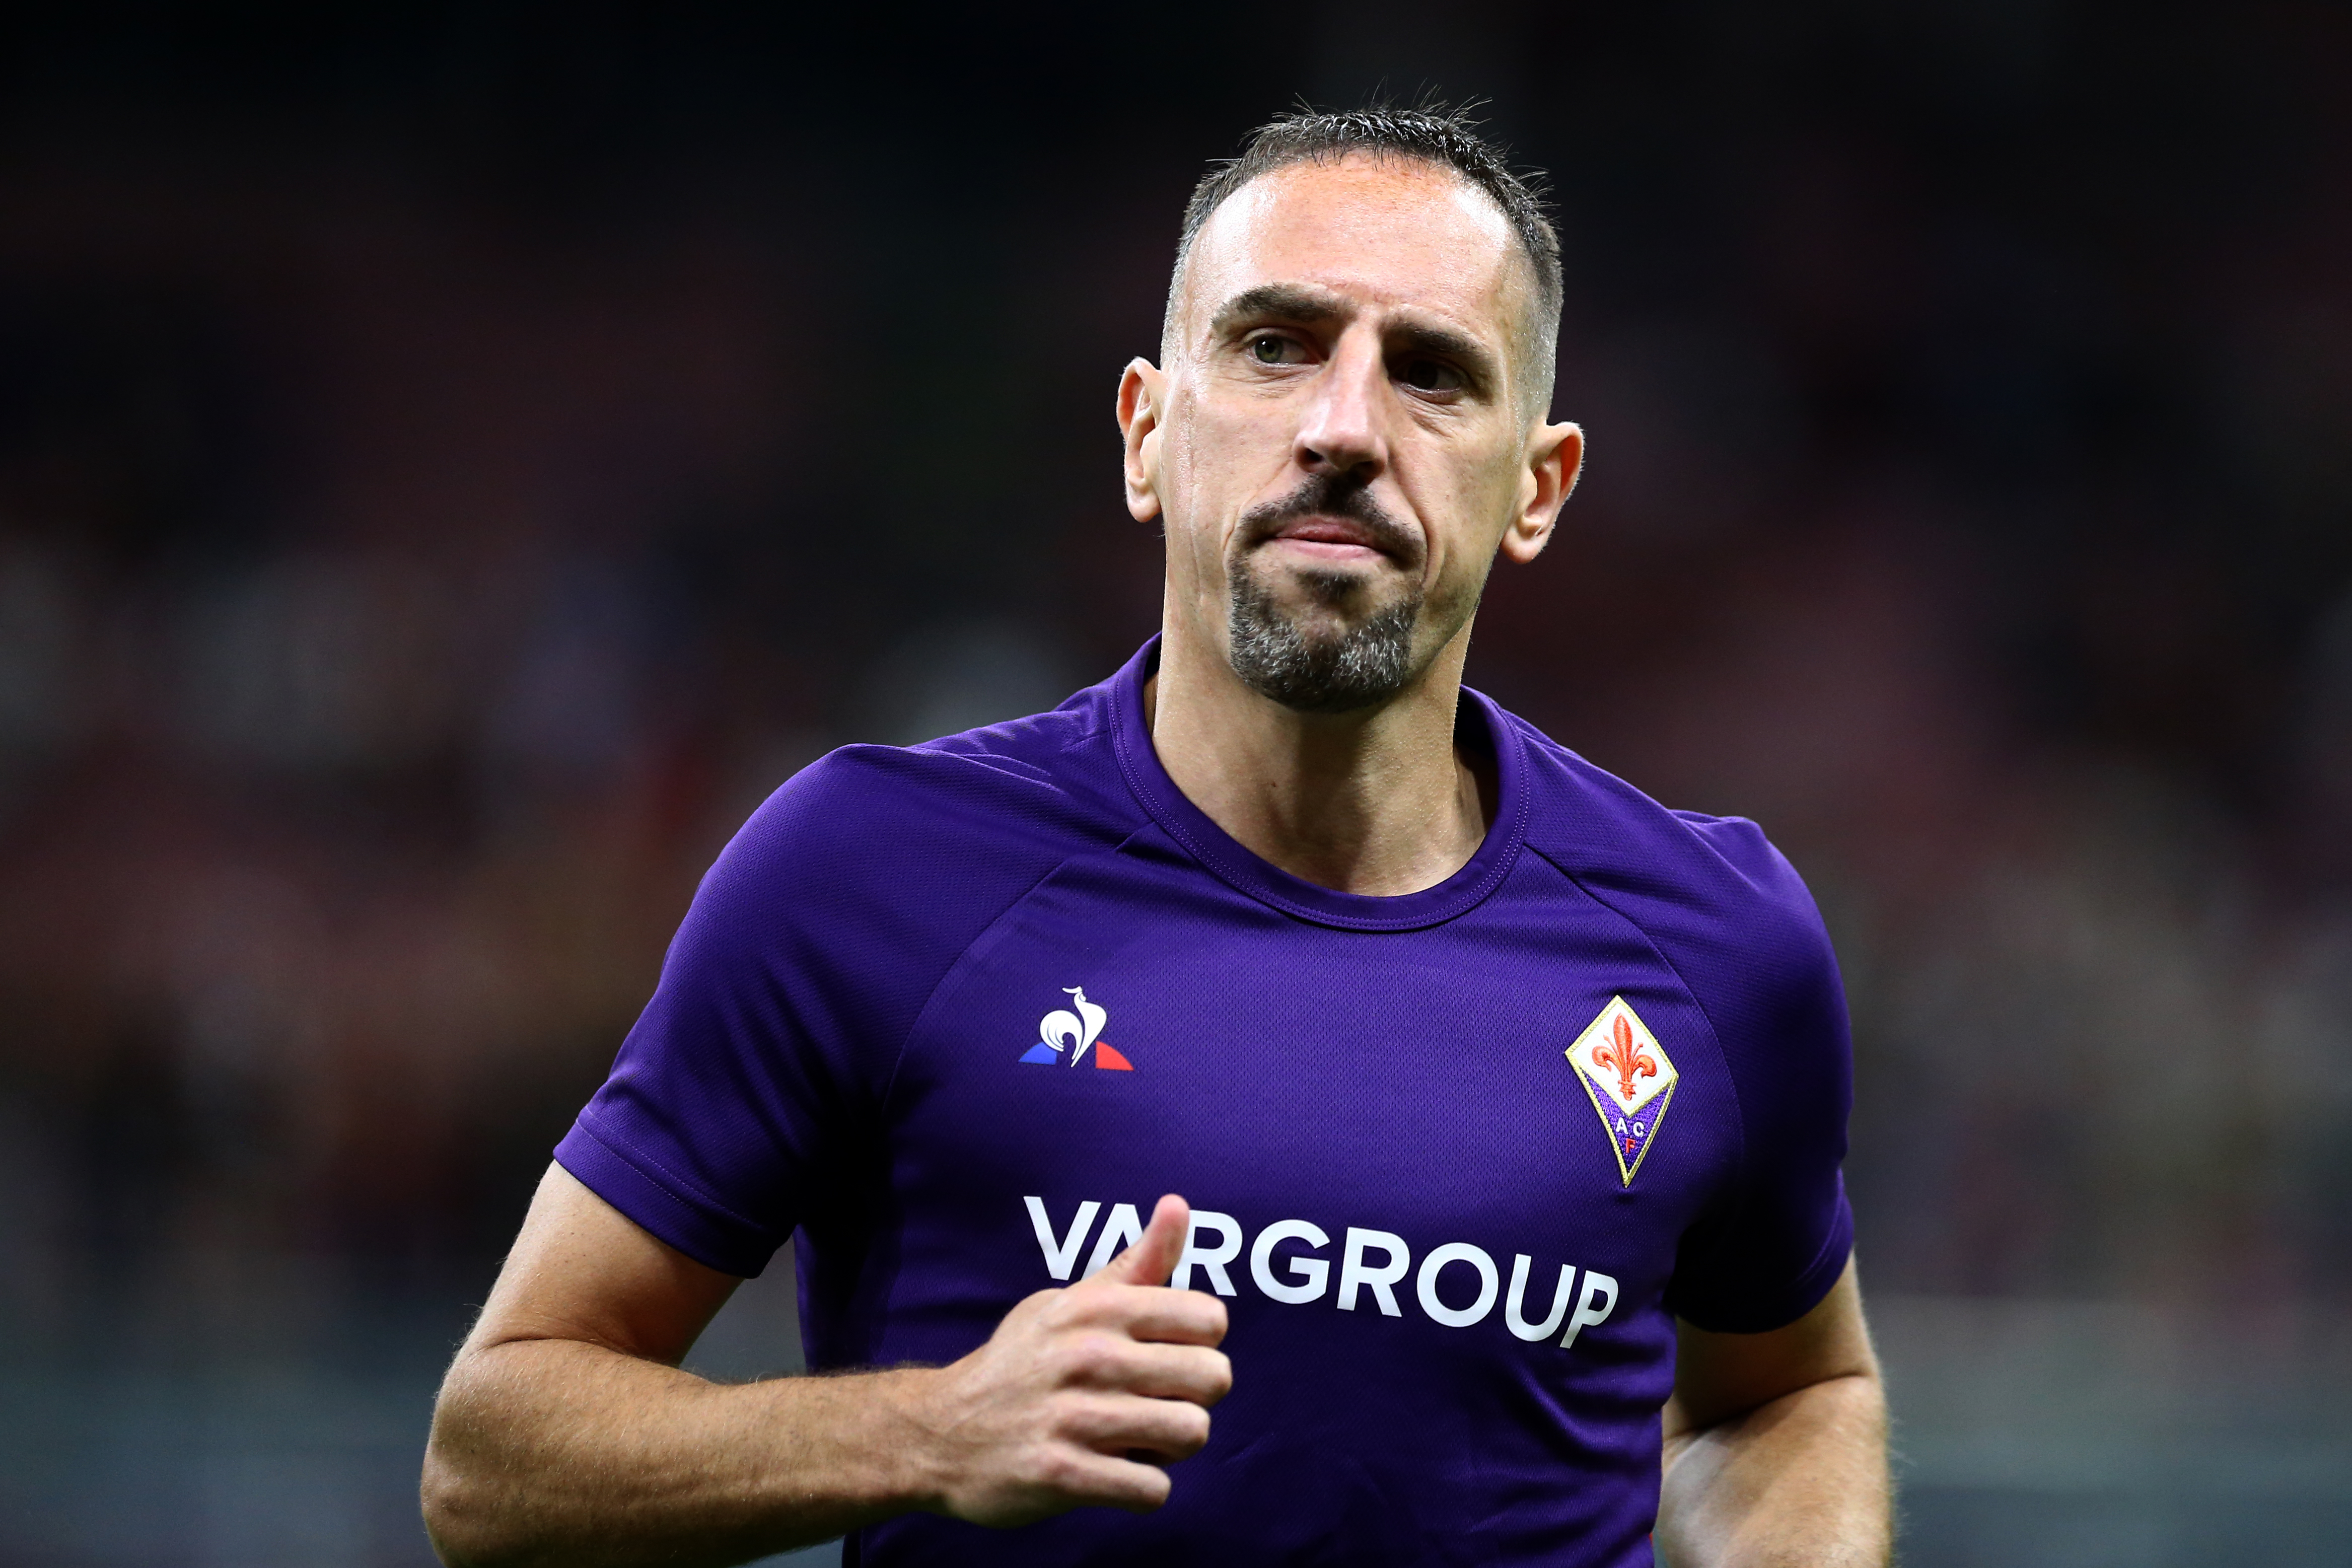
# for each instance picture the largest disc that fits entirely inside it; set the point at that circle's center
(955, 1016)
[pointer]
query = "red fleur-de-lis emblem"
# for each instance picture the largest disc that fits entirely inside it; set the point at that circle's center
(1612, 1055)
(1621, 1055)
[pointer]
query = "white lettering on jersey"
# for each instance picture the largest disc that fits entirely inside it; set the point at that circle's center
(1060, 1256)
(1516, 1299)
(1425, 1284)
(1215, 1240)
(1352, 1272)
(1212, 1264)
(1123, 1229)
(1594, 1285)
(1313, 1273)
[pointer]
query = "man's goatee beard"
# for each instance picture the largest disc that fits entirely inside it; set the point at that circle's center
(1357, 668)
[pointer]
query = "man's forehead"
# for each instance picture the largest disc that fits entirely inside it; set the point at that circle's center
(1383, 232)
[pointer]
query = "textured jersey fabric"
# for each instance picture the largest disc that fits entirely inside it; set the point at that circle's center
(955, 1016)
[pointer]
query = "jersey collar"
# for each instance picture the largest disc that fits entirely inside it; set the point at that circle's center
(1190, 827)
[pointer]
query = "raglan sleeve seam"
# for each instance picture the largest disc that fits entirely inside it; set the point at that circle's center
(1714, 1034)
(1803, 1289)
(930, 997)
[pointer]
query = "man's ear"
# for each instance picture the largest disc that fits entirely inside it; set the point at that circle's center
(1141, 389)
(1555, 457)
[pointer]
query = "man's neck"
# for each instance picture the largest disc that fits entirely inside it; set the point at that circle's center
(1376, 803)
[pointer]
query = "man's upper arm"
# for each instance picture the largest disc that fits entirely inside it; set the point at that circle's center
(1759, 961)
(582, 1270)
(751, 1086)
(1718, 1377)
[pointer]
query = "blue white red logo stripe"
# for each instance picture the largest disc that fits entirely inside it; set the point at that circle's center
(1067, 1036)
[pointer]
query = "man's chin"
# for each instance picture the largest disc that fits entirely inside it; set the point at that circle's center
(1318, 633)
(1328, 600)
(1312, 654)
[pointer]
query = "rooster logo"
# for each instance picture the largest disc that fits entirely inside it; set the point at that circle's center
(1067, 1034)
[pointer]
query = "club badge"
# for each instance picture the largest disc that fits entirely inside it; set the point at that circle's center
(1630, 1078)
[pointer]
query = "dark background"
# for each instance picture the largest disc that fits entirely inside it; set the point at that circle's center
(454, 461)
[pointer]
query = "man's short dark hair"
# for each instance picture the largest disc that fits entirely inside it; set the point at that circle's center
(1429, 132)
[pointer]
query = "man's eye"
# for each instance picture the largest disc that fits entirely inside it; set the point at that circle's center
(1271, 349)
(1432, 376)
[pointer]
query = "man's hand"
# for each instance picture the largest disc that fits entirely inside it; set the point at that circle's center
(566, 1435)
(1078, 1390)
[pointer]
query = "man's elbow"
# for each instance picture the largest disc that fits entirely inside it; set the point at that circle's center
(469, 1523)
(455, 1522)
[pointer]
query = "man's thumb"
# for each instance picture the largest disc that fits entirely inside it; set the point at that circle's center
(1153, 1256)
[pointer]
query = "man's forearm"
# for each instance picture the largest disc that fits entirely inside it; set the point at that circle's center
(553, 1451)
(1802, 1480)
(554, 1447)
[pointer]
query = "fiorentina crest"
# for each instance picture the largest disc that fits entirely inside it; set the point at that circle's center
(1063, 1038)
(1630, 1078)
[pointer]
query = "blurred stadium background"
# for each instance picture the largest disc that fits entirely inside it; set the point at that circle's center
(454, 460)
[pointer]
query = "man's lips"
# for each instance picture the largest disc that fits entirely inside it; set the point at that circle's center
(1329, 539)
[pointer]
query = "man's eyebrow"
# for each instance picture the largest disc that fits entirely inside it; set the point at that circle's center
(1430, 338)
(1278, 302)
(1294, 302)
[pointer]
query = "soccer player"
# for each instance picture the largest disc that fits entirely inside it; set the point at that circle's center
(1506, 1106)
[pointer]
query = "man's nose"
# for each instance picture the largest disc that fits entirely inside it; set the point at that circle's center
(1345, 430)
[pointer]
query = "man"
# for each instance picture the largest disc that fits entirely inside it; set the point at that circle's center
(1482, 1070)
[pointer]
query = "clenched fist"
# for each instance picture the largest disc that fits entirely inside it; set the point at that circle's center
(1080, 1394)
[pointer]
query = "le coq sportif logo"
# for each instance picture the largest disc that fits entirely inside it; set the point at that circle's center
(1067, 1037)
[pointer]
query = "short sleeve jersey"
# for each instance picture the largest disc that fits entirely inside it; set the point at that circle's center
(953, 1016)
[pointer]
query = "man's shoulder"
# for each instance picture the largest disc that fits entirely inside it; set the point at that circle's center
(971, 813)
(1730, 916)
(1684, 875)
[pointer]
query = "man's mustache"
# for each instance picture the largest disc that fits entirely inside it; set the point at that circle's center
(1324, 495)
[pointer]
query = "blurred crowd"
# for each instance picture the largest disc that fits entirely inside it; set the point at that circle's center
(425, 533)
